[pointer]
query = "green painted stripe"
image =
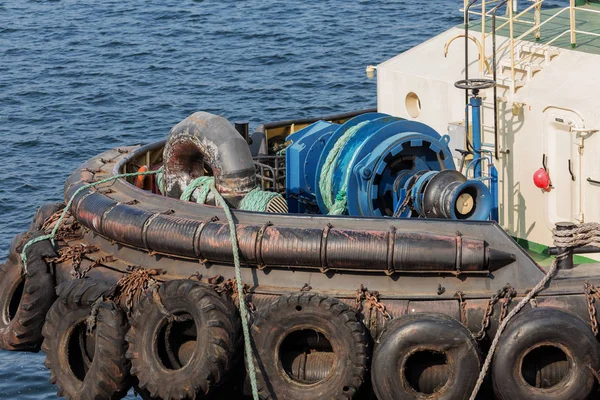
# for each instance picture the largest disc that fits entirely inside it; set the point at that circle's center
(539, 253)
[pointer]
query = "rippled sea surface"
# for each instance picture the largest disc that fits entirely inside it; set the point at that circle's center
(78, 77)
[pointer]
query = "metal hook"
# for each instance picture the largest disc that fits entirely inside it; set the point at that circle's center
(571, 171)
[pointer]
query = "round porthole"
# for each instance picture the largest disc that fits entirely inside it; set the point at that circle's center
(413, 105)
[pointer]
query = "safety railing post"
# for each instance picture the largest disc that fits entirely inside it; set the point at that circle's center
(572, 18)
(466, 3)
(537, 19)
(512, 43)
(482, 56)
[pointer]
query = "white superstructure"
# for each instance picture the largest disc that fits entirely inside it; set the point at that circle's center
(548, 104)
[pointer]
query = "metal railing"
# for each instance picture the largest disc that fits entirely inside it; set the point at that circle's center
(485, 8)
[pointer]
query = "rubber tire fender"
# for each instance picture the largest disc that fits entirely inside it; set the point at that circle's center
(433, 332)
(216, 323)
(546, 326)
(108, 374)
(43, 213)
(327, 315)
(25, 298)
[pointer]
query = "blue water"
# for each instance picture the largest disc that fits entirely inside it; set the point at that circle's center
(79, 77)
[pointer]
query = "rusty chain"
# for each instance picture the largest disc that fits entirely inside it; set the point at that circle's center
(507, 290)
(69, 229)
(591, 293)
(230, 288)
(74, 254)
(463, 307)
(80, 274)
(372, 299)
(132, 286)
(510, 293)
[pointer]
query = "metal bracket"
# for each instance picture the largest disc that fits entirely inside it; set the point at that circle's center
(595, 182)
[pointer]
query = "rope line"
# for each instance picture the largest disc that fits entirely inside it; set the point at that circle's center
(52, 234)
(234, 244)
(580, 235)
(160, 180)
(255, 200)
(240, 287)
(202, 184)
(336, 206)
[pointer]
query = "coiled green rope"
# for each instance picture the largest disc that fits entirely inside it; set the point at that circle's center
(337, 207)
(257, 200)
(254, 200)
(236, 260)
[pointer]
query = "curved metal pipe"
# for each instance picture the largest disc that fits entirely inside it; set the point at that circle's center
(201, 140)
(482, 60)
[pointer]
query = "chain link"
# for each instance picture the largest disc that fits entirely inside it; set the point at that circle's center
(131, 287)
(485, 323)
(69, 229)
(80, 274)
(591, 292)
(74, 254)
(372, 299)
(510, 293)
(230, 287)
(463, 307)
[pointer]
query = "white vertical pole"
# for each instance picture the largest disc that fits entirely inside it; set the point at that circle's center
(572, 17)
(538, 19)
(512, 44)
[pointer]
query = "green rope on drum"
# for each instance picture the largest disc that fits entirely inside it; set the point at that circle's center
(52, 234)
(240, 289)
(337, 207)
(160, 180)
(257, 200)
(202, 184)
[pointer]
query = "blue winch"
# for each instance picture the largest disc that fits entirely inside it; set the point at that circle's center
(379, 165)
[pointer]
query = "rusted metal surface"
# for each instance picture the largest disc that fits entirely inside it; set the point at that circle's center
(204, 141)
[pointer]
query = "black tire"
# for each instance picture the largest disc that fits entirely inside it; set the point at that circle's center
(556, 340)
(200, 347)
(43, 213)
(308, 328)
(425, 355)
(25, 299)
(82, 366)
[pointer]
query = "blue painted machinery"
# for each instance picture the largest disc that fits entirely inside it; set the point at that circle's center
(378, 165)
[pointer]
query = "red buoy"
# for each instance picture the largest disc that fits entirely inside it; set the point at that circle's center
(541, 179)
